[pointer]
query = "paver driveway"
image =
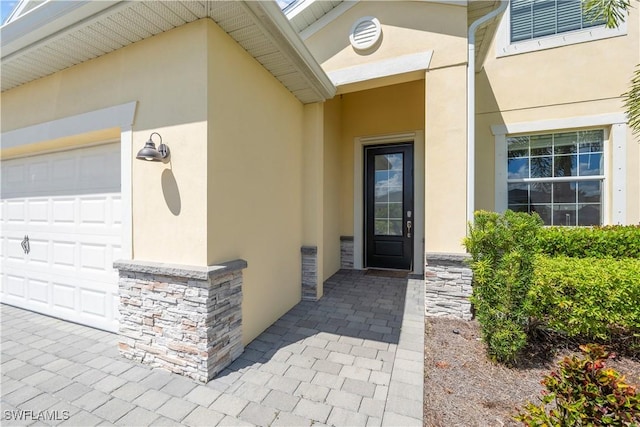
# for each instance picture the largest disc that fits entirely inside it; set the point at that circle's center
(353, 358)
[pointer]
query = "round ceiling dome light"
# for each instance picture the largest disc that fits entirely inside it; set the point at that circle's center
(365, 33)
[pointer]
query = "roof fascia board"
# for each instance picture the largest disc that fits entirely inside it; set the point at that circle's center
(45, 21)
(326, 19)
(275, 24)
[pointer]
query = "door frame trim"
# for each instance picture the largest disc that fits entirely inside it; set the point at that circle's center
(417, 137)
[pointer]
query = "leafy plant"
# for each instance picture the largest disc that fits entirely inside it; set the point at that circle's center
(503, 249)
(612, 241)
(596, 299)
(583, 392)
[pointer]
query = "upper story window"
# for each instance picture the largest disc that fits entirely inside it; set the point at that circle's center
(531, 19)
(532, 25)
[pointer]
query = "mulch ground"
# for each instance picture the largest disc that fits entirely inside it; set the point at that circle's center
(463, 387)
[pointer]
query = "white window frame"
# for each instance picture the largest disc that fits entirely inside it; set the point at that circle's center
(504, 47)
(614, 191)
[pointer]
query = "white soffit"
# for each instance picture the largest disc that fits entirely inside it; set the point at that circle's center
(59, 34)
(384, 68)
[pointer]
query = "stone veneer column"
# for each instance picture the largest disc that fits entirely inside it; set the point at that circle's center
(448, 285)
(185, 319)
(309, 273)
(346, 252)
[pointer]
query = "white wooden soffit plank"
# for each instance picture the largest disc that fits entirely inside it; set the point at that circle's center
(32, 48)
(383, 68)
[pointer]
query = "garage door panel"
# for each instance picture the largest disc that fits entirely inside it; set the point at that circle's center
(38, 291)
(15, 211)
(69, 205)
(16, 286)
(38, 212)
(63, 297)
(93, 303)
(64, 255)
(64, 211)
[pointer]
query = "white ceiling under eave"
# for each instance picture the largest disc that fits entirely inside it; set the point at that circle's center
(59, 34)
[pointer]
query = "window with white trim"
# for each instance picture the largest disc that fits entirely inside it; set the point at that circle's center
(558, 175)
(532, 19)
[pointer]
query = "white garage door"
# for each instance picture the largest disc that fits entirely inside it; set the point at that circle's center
(68, 204)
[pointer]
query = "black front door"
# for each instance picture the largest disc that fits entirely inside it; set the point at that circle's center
(389, 214)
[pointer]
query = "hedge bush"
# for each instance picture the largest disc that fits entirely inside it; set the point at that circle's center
(614, 241)
(587, 297)
(502, 249)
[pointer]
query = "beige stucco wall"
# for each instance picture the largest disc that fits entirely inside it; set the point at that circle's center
(254, 185)
(333, 183)
(374, 112)
(407, 28)
(445, 160)
(583, 79)
(169, 219)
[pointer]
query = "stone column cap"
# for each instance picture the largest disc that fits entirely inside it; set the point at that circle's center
(180, 270)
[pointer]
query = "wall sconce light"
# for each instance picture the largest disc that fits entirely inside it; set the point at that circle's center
(150, 153)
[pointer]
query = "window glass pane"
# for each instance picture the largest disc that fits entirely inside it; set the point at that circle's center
(518, 146)
(382, 211)
(589, 214)
(540, 18)
(544, 211)
(541, 167)
(395, 228)
(591, 19)
(518, 168)
(569, 15)
(589, 191)
(565, 165)
(544, 17)
(564, 192)
(541, 145)
(540, 192)
(591, 141)
(395, 210)
(518, 194)
(388, 189)
(591, 164)
(564, 215)
(521, 20)
(565, 143)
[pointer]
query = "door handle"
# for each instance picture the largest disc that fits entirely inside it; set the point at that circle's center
(409, 225)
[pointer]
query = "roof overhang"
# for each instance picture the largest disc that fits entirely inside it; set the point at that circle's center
(59, 34)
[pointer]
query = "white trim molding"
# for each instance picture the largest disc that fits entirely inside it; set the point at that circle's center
(615, 124)
(417, 138)
(504, 47)
(118, 116)
(384, 68)
(111, 117)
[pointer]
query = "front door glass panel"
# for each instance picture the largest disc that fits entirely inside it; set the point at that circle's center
(388, 194)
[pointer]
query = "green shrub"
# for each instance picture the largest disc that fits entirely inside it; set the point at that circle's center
(587, 297)
(502, 249)
(614, 241)
(585, 393)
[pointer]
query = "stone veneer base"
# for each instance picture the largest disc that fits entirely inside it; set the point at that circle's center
(309, 273)
(448, 285)
(185, 319)
(346, 252)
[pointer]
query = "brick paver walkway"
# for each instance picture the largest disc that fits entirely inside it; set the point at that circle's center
(353, 358)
